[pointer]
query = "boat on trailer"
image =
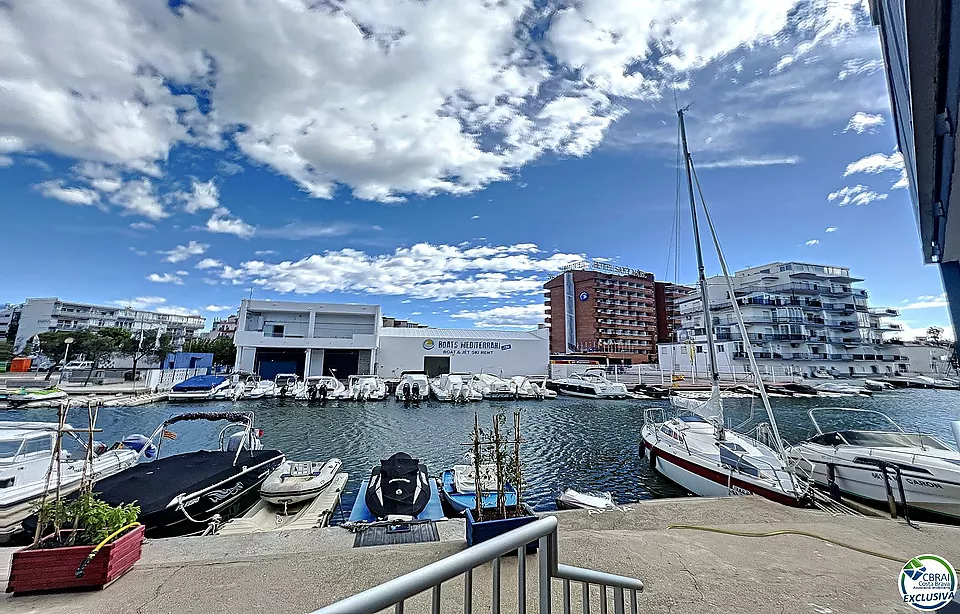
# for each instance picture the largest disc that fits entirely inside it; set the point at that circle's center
(875, 460)
(193, 492)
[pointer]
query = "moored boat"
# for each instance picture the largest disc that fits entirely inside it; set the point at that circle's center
(26, 396)
(591, 384)
(458, 487)
(310, 514)
(413, 387)
(399, 489)
(571, 499)
(366, 388)
(322, 388)
(199, 388)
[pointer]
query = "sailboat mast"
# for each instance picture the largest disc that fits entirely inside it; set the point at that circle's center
(704, 294)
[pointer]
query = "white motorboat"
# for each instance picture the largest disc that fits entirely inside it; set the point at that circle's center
(840, 388)
(493, 388)
(592, 384)
(28, 396)
(693, 448)
(413, 386)
(571, 499)
(366, 388)
(322, 388)
(263, 388)
(455, 387)
(295, 482)
(26, 449)
(313, 513)
(874, 458)
(876, 385)
(200, 388)
(287, 385)
(532, 388)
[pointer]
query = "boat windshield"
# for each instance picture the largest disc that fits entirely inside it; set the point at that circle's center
(8, 448)
(875, 439)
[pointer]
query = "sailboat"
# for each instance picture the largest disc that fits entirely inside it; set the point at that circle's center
(694, 448)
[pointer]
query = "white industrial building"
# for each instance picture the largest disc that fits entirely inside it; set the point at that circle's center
(342, 340)
(451, 350)
(306, 338)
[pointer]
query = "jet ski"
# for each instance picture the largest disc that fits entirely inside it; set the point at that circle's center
(399, 489)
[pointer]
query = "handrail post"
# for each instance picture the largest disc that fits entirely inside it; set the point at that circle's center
(545, 574)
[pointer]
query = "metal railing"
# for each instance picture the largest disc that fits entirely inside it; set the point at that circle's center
(393, 593)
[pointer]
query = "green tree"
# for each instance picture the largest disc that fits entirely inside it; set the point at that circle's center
(53, 347)
(223, 350)
(102, 344)
(145, 345)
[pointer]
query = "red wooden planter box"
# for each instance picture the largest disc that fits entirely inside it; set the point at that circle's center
(53, 569)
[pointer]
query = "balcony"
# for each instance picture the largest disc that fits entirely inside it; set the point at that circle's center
(787, 337)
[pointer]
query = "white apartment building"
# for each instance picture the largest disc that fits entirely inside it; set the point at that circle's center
(306, 338)
(223, 327)
(801, 319)
(40, 315)
(8, 314)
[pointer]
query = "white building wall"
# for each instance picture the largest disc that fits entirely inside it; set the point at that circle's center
(928, 359)
(36, 317)
(528, 353)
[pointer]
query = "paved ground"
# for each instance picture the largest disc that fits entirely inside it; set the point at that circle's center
(684, 570)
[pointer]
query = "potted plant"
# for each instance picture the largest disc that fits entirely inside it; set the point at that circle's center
(80, 542)
(503, 454)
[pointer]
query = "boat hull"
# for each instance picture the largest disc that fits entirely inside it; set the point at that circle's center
(459, 502)
(696, 476)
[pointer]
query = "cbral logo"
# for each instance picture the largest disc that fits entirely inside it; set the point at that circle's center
(428, 344)
(927, 582)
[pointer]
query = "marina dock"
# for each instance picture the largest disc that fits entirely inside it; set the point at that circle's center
(684, 570)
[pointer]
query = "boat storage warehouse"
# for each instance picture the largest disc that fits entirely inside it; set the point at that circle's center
(342, 340)
(451, 350)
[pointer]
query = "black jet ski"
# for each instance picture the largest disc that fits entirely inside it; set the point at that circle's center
(398, 489)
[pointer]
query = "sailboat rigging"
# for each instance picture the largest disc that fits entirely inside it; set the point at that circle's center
(694, 448)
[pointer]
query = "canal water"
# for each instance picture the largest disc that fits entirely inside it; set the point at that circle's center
(585, 444)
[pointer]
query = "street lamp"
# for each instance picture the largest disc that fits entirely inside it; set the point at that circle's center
(66, 351)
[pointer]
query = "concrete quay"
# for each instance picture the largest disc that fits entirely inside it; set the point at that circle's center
(685, 571)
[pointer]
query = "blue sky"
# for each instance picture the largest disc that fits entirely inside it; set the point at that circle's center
(442, 159)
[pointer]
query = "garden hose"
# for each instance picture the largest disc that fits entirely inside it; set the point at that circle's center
(96, 549)
(789, 532)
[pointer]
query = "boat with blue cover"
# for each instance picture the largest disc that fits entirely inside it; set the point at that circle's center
(199, 388)
(399, 489)
(458, 487)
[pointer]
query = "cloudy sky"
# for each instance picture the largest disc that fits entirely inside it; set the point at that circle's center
(440, 157)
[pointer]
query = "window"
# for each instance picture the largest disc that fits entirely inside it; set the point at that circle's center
(720, 349)
(699, 349)
(40, 444)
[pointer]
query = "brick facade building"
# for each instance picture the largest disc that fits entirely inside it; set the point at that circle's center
(605, 310)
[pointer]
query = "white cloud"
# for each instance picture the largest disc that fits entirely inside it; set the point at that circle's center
(831, 229)
(864, 122)
(748, 162)
(391, 98)
(182, 252)
(812, 242)
(223, 222)
(69, 195)
(405, 301)
(138, 252)
(859, 66)
(165, 278)
(139, 197)
(423, 270)
(182, 272)
(875, 163)
(219, 308)
(902, 182)
(507, 316)
(6, 161)
(927, 302)
(855, 195)
(209, 263)
(140, 302)
(305, 231)
(202, 195)
(415, 313)
(475, 217)
(142, 226)
(263, 252)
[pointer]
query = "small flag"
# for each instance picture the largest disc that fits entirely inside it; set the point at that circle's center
(168, 434)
